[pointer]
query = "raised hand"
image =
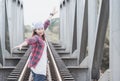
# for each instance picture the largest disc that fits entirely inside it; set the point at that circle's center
(54, 11)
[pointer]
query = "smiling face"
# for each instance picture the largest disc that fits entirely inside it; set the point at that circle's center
(40, 31)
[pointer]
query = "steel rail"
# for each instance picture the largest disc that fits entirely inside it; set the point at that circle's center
(59, 78)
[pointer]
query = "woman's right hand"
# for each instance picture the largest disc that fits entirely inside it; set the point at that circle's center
(19, 47)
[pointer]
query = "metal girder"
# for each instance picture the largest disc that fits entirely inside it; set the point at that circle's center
(100, 38)
(84, 37)
(1, 56)
(74, 43)
(7, 37)
(115, 40)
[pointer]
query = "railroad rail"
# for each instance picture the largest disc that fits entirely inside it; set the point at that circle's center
(56, 71)
(19, 73)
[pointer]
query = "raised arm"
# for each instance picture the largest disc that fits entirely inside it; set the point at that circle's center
(47, 22)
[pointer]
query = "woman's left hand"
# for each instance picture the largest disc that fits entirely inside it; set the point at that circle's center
(53, 12)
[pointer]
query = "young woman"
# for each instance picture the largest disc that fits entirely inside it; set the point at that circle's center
(38, 56)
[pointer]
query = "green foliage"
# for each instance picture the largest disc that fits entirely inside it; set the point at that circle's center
(54, 23)
(28, 28)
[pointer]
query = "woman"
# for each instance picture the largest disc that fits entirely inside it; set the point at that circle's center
(38, 56)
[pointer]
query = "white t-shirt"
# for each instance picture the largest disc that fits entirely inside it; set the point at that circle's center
(41, 67)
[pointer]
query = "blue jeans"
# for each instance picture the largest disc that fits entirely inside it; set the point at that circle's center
(38, 77)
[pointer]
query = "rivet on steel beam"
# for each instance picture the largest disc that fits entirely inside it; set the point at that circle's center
(64, 2)
(60, 5)
(18, 2)
(68, 0)
(14, 0)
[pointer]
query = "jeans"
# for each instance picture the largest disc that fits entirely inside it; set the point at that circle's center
(38, 77)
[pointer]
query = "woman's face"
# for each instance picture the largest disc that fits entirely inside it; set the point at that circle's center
(40, 31)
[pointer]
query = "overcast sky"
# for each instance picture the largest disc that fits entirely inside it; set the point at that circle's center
(38, 10)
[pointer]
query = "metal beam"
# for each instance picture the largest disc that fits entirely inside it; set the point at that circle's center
(7, 35)
(84, 38)
(74, 43)
(115, 40)
(100, 38)
(92, 20)
(1, 56)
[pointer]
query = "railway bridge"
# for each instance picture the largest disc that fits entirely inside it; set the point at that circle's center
(88, 47)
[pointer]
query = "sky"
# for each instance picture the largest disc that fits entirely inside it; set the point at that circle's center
(39, 10)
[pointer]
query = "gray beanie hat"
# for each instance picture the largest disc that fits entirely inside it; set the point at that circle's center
(37, 25)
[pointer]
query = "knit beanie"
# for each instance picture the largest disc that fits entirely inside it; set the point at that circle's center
(37, 25)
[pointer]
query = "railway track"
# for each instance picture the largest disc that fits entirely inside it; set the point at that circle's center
(57, 70)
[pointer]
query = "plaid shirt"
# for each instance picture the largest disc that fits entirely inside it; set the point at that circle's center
(37, 44)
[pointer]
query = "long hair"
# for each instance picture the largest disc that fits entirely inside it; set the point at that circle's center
(34, 33)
